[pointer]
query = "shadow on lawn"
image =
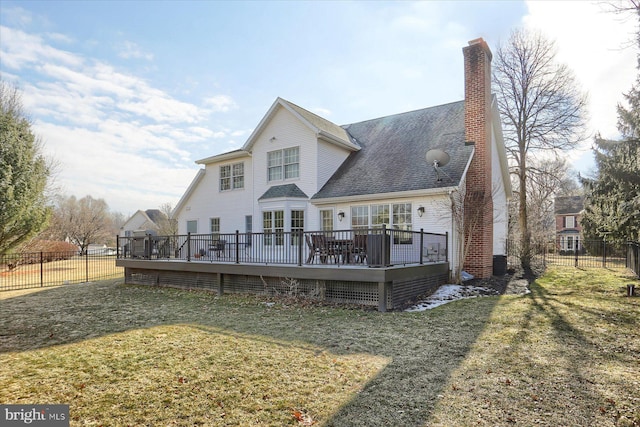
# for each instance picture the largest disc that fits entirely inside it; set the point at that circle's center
(573, 352)
(424, 348)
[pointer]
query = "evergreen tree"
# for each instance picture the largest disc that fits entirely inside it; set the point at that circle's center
(23, 174)
(613, 197)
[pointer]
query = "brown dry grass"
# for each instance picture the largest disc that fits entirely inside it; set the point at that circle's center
(77, 269)
(567, 354)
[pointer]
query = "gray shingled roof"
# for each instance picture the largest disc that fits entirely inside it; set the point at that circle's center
(286, 190)
(393, 152)
(155, 215)
(569, 204)
(320, 123)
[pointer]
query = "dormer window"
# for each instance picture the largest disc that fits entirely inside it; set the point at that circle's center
(283, 164)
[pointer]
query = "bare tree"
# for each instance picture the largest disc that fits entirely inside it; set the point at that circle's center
(81, 221)
(168, 223)
(541, 107)
(548, 179)
(466, 214)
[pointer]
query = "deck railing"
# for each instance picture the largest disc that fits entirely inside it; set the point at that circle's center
(371, 247)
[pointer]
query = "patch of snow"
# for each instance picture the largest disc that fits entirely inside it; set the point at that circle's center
(448, 293)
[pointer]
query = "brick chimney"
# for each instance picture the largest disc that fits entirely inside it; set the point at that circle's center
(477, 123)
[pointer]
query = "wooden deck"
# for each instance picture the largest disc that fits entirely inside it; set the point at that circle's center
(385, 287)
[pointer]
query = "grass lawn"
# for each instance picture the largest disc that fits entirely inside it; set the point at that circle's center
(566, 354)
(76, 269)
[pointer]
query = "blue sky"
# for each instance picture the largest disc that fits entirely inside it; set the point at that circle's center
(127, 95)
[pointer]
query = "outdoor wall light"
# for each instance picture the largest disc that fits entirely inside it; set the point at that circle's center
(340, 216)
(420, 211)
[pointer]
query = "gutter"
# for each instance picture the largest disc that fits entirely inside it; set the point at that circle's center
(384, 196)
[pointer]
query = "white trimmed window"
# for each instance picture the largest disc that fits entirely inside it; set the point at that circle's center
(570, 221)
(283, 164)
(379, 215)
(273, 224)
(214, 225)
(232, 176)
(359, 217)
(297, 225)
(396, 216)
(402, 221)
(192, 226)
(326, 219)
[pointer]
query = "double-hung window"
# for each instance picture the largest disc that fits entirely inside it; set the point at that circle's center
(215, 227)
(570, 221)
(297, 225)
(283, 164)
(402, 222)
(232, 176)
(360, 217)
(273, 225)
(379, 215)
(326, 219)
(396, 216)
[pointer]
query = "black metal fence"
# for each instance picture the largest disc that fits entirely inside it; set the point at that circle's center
(580, 254)
(40, 269)
(365, 247)
(633, 257)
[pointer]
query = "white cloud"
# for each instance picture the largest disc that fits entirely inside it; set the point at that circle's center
(61, 38)
(19, 48)
(115, 135)
(593, 50)
(130, 49)
(220, 103)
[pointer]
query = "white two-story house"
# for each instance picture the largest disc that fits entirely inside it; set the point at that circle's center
(299, 171)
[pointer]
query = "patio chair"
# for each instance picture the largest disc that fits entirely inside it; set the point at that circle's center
(431, 253)
(359, 250)
(217, 246)
(320, 247)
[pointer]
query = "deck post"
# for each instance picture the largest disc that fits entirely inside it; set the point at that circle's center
(220, 288)
(421, 245)
(383, 291)
(446, 242)
(300, 240)
(188, 246)
(237, 247)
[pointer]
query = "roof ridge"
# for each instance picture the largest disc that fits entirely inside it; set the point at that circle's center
(399, 114)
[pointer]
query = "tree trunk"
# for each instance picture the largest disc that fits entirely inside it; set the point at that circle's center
(525, 234)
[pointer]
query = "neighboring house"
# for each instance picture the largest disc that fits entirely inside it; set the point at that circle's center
(143, 221)
(298, 170)
(568, 211)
